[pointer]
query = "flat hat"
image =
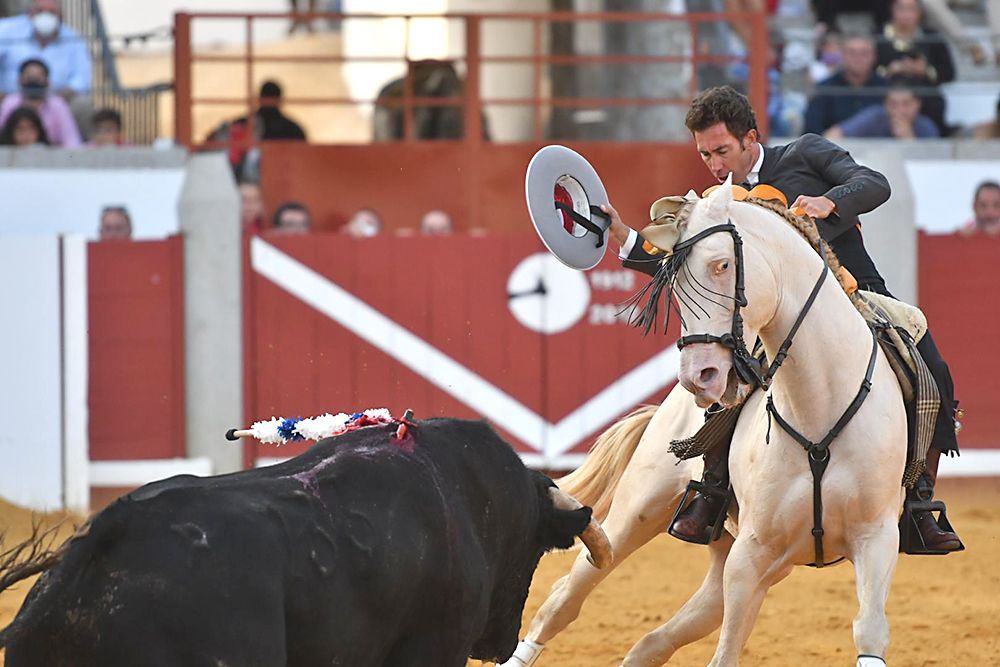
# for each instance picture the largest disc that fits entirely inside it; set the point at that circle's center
(564, 194)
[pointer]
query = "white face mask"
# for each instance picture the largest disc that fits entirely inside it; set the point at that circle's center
(46, 23)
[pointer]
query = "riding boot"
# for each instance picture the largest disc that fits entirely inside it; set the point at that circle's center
(931, 533)
(694, 522)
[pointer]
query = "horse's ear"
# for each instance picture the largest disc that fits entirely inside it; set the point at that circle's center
(720, 199)
(667, 223)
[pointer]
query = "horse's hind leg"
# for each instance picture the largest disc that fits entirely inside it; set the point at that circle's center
(874, 559)
(751, 570)
(700, 615)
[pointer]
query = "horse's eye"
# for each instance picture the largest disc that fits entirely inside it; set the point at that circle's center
(722, 266)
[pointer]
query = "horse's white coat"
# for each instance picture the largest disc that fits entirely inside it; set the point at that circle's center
(772, 481)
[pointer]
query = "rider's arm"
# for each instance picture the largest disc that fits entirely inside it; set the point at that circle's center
(632, 253)
(858, 190)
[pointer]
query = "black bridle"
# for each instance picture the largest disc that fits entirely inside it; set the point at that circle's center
(748, 367)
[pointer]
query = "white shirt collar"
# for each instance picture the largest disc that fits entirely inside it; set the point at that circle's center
(754, 176)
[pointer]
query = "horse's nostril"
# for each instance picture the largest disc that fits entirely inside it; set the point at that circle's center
(707, 375)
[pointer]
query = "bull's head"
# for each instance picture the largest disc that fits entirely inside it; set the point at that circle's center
(561, 519)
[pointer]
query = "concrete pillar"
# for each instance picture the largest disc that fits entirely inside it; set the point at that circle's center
(210, 222)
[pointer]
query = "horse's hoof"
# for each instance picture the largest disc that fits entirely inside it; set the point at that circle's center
(870, 661)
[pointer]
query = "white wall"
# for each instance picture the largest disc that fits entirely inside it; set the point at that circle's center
(30, 358)
(943, 191)
(31, 205)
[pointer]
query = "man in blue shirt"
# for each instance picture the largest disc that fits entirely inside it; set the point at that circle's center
(40, 34)
(898, 117)
(853, 88)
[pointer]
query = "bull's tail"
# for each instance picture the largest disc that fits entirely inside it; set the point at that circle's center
(595, 481)
(34, 555)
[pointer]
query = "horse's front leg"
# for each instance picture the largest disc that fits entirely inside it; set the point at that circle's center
(751, 569)
(700, 615)
(875, 555)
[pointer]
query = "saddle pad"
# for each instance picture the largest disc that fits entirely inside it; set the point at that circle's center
(910, 318)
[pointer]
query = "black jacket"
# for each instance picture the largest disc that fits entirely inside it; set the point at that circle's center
(813, 166)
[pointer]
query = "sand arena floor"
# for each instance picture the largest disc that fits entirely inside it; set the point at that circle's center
(943, 610)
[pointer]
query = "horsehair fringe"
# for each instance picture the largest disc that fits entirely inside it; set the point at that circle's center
(645, 315)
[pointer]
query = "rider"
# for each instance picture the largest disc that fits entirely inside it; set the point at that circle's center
(822, 179)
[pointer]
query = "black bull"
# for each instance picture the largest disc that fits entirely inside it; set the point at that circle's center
(365, 550)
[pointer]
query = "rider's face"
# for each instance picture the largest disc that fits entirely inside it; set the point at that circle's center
(724, 153)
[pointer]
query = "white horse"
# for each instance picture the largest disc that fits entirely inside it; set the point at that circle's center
(770, 472)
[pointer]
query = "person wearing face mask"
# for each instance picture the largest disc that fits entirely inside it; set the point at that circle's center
(33, 83)
(40, 34)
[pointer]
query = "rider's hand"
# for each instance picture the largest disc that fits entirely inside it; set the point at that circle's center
(618, 229)
(815, 207)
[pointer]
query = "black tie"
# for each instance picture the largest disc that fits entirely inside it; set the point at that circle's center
(746, 185)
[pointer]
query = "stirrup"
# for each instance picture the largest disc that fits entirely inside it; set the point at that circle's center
(910, 539)
(714, 529)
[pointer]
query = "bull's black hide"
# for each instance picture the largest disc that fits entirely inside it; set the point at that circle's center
(365, 550)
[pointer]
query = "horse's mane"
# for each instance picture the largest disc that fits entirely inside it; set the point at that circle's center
(807, 229)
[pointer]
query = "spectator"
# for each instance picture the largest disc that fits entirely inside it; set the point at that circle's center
(270, 124)
(853, 88)
(829, 57)
(116, 224)
(365, 223)
(106, 129)
(898, 117)
(986, 211)
(307, 6)
(990, 129)
(52, 109)
(41, 34)
(922, 58)
(23, 128)
(944, 19)
(251, 208)
(436, 223)
(291, 218)
(851, 15)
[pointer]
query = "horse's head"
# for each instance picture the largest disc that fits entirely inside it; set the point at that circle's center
(722, 302)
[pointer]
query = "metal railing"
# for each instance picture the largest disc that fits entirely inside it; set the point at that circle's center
(473, 104)
(139, 107)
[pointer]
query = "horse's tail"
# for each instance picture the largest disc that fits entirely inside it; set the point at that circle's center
(595, 481)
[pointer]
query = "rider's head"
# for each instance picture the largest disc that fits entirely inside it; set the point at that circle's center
(725, 130)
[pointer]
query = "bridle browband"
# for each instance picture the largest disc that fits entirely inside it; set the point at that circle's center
(747, 366)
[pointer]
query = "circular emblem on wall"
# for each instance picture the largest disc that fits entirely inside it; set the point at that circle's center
(545, 295)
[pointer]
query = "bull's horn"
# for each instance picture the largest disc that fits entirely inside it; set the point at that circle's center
(593, 536)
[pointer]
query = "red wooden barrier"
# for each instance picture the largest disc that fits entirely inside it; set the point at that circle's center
(136, 320)
(447, 296)
(958, 282)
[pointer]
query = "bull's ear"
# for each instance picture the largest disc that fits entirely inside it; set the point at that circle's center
(566, 525)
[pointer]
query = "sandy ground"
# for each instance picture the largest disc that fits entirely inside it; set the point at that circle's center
(943, 610)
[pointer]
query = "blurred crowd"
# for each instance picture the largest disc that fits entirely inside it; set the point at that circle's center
(873, 68)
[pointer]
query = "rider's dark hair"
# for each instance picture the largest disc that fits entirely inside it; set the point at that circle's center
(723, 104)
